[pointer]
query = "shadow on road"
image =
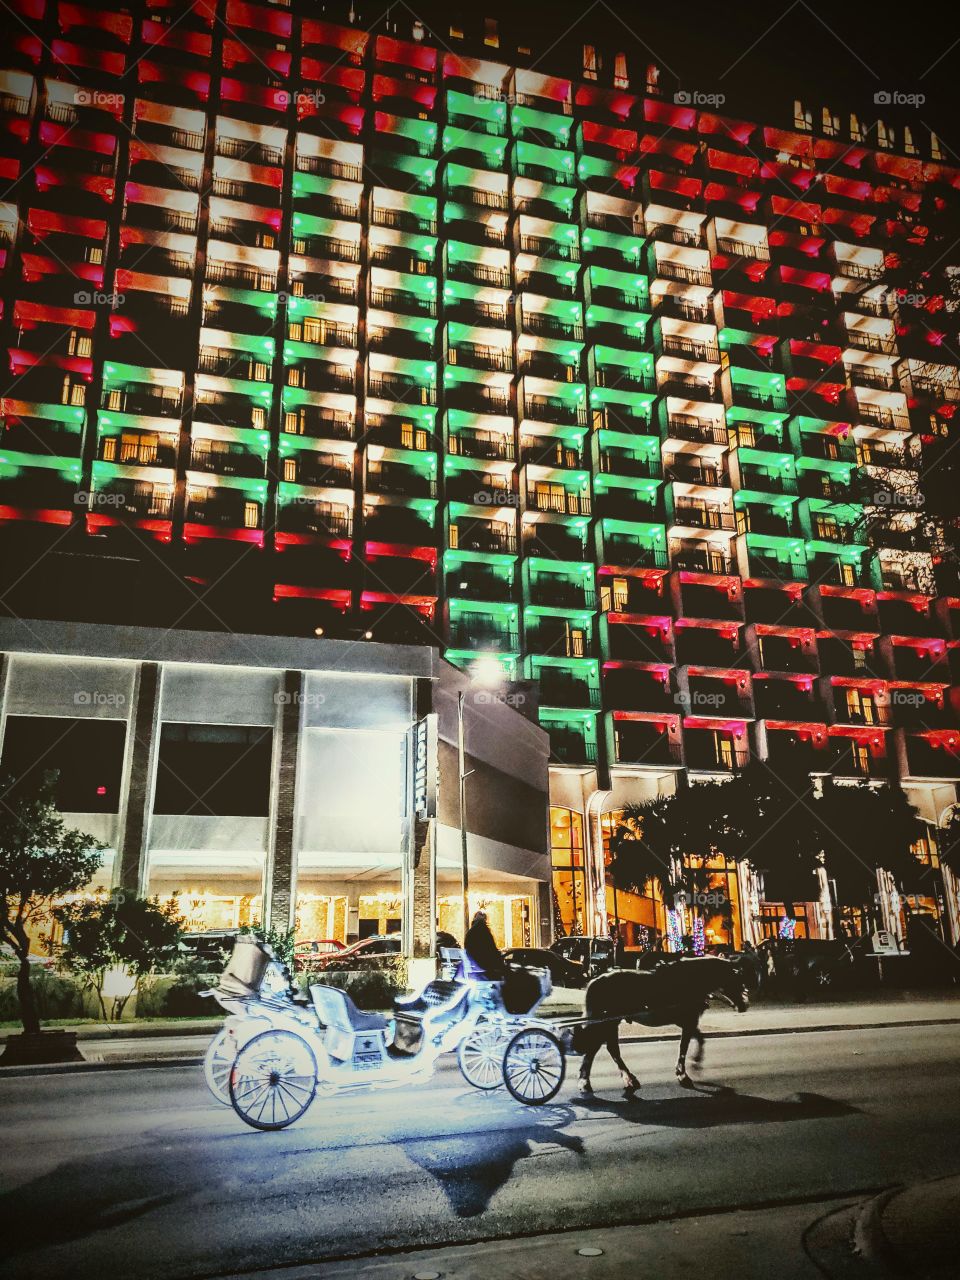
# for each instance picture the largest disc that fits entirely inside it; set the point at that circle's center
(705, 1106)
(470, 1172)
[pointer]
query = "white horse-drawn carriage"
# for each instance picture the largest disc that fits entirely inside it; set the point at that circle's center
(276, 1052)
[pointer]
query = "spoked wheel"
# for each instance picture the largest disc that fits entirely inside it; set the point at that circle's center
(217, 1062)
(534, 1066)
(273, 1079)
(480, 1056)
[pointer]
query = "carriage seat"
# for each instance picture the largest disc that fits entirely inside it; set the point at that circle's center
(438, 994)
(336, 1009)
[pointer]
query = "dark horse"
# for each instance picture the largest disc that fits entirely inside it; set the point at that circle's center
(673, 994)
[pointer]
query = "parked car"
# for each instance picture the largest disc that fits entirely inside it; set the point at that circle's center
(212, 946)
(306, 953)
(811, 964)
(595, 954)
(370, 953)
(563, 972)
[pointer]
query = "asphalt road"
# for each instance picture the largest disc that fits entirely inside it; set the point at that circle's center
(138, 1173)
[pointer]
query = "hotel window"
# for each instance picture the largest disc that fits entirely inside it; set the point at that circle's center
(251, 515)
(85, 754)
(652, 78)
(412, 437)
(936, 151)
(620, 78)
(290, 469)
(591, 63)
(576, 641)
(258, 417)
(909, 146)
(491, 36)
(456, 33)
(566, 855)
(293, 424)
(214, 770)
(74, 393)
(856, 132)
(802, 118)
(885, 136)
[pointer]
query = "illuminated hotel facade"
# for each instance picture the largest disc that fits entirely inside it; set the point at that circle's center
(365, 333)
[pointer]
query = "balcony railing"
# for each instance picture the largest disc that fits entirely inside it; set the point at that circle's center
(684, 426)
(680, 271)
(482, 538)
(555, 411)
(703, 517)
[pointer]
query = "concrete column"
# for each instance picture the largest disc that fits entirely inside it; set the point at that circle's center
(423, 905)
(544, 910)
(140, 771)
(281, 878)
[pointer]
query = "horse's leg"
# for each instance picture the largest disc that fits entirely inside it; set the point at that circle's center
(698, 1036)
(591, 1045)
(630, 1082)
(686, 1031)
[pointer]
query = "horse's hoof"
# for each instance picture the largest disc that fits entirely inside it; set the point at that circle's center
(684, 1081)
(631, 1090)
(586, 1088)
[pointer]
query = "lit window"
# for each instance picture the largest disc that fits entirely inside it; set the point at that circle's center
(885, 136)
(908, 143)
(652, 78)
(620, 78)
(856, 132)
(290, 469)
(802, 119)
(591, 63)
(456, 33)
(418, 30)
(251, 515)
(831, 123)
(936, 152)
(491, 36)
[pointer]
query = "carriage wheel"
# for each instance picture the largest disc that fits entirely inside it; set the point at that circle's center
(217, 1062)
(534, 1066)
(273, 1080)
(480, 1056)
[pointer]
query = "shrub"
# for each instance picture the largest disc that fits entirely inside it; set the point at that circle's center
(56, 997)
(367, 988)
(177, 996)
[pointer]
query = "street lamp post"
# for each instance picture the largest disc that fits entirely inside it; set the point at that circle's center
(464, 774)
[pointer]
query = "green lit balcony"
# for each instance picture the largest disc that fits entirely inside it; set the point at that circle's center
(477, 304)
(623, 377)
(473, 264)
(565, 683)
(542, 199)
(772, 556)
(625, 456)
(410, 427)
(476, 486)
(627, 498)
(46, 430)
(399, 474)
(561, 633)
(482, 115)
(403, 212)
(303, 465)
(469, 581)
(472, 437)
(558, 585)
(687, 511)
(473, 187)
(403, 172)
(556, 493)
(403, 291)
(304, 519)
(473, 347)
(482, 627)
(617, 249)
(763, 390)
(630, 544)
(405, 381)
(546, 164)
(481, 535)
(759, 474)
(547, 238)
(773, 517)
(692, 424)
(573, 735)
(541, 401)
(140, 391)
(829, 526)
(545, 128)
(406, 137)
(469, 144)
(556, 540)
(550, 277)
(763, 437)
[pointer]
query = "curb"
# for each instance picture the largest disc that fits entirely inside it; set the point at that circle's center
(193, 1060)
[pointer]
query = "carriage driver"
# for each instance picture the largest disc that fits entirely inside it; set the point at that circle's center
(482, 961)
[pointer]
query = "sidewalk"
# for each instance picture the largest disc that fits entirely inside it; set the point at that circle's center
(184, 1043)
(913, 1231)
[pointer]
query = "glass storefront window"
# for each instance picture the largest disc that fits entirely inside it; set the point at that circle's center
(566, 854)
